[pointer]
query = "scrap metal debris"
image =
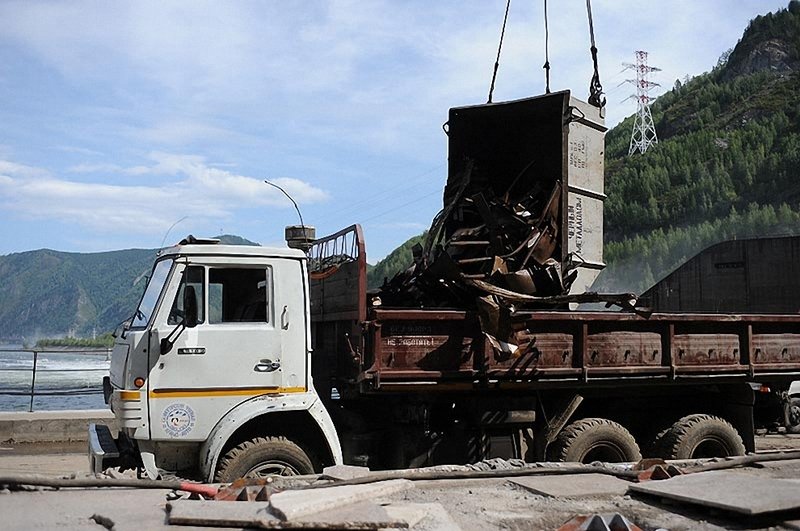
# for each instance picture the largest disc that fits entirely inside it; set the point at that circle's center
(521, 220)
(599, 522)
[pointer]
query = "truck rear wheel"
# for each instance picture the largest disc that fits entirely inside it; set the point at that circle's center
(700, 435)
(262, 457)
(595, 439)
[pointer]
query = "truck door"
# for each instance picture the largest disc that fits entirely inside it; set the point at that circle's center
(235, 352)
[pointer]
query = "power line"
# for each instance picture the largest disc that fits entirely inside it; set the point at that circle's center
(373, 200)
(398, 207)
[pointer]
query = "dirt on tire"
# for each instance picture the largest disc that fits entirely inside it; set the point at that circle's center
(280, 454)
(700, 435)
(594, 439)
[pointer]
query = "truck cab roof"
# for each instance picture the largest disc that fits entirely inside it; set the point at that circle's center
(214, 248)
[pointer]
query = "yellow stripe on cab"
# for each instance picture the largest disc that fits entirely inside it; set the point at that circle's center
(207, 393)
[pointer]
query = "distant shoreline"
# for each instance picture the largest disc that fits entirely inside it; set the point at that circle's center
(101, 342)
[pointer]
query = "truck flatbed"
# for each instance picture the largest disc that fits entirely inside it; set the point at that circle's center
(407, 346)
(384, 349)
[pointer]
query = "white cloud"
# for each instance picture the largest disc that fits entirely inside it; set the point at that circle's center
(189, 187)
(9, 168)
(75, 149)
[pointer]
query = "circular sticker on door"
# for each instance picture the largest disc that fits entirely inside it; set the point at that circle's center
(177, 420)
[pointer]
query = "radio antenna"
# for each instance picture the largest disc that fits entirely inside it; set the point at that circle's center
(290, 199)
(167, 233)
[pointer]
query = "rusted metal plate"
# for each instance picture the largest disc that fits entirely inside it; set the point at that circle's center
(427, 352)
(599, 522)
(536, 350)
(706, 349)
(427, 345)
(432, 345)
(709, 321)
(623, 349)
(775, 348)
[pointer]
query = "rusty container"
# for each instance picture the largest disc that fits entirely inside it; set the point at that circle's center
(520, 147)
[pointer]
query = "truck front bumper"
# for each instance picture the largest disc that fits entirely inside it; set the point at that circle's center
(103, 450)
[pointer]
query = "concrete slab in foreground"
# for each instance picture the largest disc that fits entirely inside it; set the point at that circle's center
(573, 485)
(730, 491)
(51, 426)
(297, 503)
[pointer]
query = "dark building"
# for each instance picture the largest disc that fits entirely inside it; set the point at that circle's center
(759, 275)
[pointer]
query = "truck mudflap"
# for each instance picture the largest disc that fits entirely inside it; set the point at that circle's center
(107, 452)
(103, 450)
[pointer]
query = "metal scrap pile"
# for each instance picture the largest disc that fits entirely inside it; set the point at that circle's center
(504, 246)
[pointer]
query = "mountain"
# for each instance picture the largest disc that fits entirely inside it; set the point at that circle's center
(48, 293)
(727, 164)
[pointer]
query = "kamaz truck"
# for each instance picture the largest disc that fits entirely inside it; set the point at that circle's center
(246, 361)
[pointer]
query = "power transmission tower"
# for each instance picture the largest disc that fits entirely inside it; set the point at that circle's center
(644, 131)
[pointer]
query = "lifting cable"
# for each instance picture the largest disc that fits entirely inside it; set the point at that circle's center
(595, 88)
(499, 48)
(546, 65)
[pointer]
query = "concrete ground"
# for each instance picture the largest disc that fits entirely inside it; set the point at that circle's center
(468, 504)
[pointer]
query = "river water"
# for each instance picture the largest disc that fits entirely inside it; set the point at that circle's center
(64, 380)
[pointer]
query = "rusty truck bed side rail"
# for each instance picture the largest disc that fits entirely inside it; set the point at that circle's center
(431, 346)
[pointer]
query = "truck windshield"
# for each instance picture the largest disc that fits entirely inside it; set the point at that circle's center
(150, 297)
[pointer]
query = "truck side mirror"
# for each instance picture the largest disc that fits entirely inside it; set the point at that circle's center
(165, 345)
(189, 307)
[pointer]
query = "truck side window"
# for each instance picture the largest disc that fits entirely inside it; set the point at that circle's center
(192, 276)
(238, 295)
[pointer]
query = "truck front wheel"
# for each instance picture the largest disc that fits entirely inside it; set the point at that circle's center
(262, 457)
(698, 436)
(594, 439)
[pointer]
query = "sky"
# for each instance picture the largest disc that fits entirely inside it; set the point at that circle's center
(129, 124)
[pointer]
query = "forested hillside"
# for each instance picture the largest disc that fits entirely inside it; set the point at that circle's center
(397, 260)
(727, 164)
(49, 293)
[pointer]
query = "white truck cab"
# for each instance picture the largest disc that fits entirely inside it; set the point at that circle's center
(211, 376)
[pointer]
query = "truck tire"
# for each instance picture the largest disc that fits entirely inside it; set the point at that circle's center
(700, 435)
(791, 411)
(594, 439)
(261, 457)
